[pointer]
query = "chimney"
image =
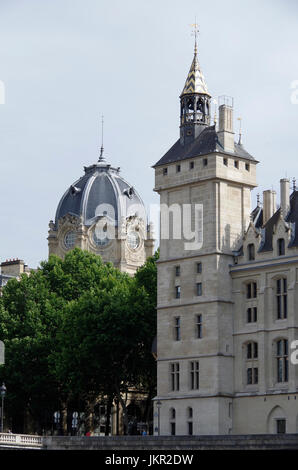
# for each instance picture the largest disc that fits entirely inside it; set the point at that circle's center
(13, 267)
(285, 195)
(269, 204)
(225, 124)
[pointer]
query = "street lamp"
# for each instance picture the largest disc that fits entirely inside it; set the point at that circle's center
(3, 393)
(158, 404)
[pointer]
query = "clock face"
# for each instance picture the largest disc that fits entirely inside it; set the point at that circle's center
(100, 238)
(133, 240)
(70, 240)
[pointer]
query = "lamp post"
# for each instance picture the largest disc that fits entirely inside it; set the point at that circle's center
(3, 393)
(158, 404)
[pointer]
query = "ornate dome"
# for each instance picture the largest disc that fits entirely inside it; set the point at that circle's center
(101, 192)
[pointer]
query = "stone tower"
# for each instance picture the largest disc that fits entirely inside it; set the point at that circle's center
(204, 182)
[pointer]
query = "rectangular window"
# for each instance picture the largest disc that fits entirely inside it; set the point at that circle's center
(282, 360)
(177, 292)
(256, 375)
(247, 166)
(177, 329)
(173, 429)
(225, 161)
(251, 290)
(165, 171)
(175, 378)
(199, 326)
(281, 246)
(281, 426)
(251, 315)
(205, 161)
(194, 375)
(199, 268)
(281, 298)
(199, 289)
(249, 376)
(178, 168)
(177, 271)
(255, 314)
(190, 428)
(191, 165)
(236, 164)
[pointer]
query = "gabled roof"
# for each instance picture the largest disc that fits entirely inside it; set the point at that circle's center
(206, 142)
(291, 217)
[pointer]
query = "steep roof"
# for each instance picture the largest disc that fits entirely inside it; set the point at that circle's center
(195, 81)
(206, 142)
(291, 217)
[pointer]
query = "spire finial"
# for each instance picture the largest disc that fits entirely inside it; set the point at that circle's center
(101, 158)
(195, 33)
(240, 131)
(294, 184)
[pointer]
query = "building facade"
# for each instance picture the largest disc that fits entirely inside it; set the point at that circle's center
(226, 314)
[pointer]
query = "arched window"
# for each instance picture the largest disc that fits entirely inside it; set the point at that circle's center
(280, 246)
(282, 360)
(251, 252)
(281, 298)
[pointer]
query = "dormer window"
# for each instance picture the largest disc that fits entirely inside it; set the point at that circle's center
(205, 162)
(165, 171)
(236, 164)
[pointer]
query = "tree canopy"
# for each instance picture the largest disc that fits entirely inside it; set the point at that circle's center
(74, 330)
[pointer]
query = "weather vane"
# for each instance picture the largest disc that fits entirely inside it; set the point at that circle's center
(195, 32)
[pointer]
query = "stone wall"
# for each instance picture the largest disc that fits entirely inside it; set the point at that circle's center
(121, 443)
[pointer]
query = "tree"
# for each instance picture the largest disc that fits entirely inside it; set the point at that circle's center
(76, 330)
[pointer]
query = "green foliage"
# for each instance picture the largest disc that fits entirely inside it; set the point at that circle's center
(74, 329)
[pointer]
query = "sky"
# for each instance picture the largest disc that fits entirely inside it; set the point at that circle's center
(65, 63)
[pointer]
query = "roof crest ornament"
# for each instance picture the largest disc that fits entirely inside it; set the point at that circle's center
(195, 33)
(101, 157)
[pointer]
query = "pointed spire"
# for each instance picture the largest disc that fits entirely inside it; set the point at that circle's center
(101, 157)
(195, 81)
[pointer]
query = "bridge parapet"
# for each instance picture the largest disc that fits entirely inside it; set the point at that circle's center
(20, 440)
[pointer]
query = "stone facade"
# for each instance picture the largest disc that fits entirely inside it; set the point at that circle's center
(226, 309)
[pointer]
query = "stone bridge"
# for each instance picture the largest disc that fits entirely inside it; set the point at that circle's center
(122, 443)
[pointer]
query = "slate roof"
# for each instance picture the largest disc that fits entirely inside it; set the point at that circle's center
(101, 190)
(206, 142)
(291, 217)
